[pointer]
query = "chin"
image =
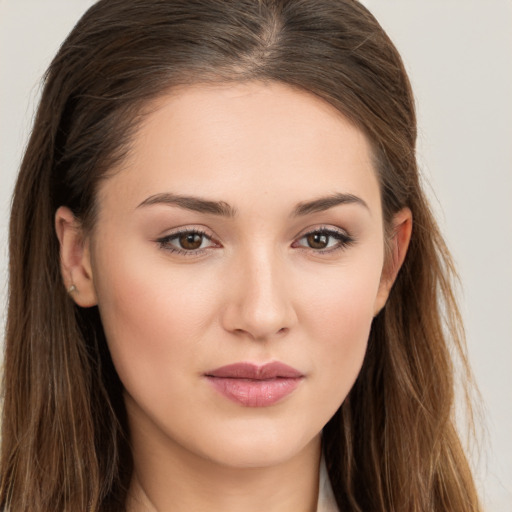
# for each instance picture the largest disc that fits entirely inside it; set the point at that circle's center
(258, 446)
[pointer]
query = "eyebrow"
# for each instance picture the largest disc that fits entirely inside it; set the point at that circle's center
(325, 203)
(222, 208)
(195, 204)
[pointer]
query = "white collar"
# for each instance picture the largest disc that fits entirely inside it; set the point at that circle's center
(326, 500)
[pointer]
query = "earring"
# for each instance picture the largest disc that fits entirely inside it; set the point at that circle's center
(72, 289)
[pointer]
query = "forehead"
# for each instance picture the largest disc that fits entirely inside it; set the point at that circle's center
(245, 142)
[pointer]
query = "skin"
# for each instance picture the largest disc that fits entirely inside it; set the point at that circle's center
(257, 289)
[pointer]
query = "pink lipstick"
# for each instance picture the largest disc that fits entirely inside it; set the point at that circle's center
(252, 385)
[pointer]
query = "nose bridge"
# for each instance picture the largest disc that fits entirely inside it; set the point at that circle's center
(260, 304)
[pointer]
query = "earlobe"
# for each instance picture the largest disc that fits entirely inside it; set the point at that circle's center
(75, 258)
(398, 245)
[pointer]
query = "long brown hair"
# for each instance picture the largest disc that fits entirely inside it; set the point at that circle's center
(392, 445)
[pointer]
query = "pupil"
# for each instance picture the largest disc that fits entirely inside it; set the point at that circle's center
(191, 241)
(318, 241)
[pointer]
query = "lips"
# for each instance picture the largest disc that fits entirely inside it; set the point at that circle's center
(253, 385)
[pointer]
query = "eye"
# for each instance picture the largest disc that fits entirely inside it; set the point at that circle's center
(324, 240)
(190, 241)
(186, 242)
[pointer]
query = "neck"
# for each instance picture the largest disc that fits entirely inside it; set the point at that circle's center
(171, 478)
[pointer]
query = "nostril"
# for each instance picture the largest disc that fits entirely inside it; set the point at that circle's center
(281, 331)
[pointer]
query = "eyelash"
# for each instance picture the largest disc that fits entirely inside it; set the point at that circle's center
(343, 241)
(165, 242)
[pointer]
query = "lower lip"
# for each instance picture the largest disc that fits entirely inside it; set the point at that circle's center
(255, 393)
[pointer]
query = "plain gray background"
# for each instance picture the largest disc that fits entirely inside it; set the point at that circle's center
(459, 56)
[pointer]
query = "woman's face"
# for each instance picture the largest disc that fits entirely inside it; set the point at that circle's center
(244, 226)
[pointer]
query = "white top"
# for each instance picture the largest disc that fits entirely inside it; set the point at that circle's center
(326, 501)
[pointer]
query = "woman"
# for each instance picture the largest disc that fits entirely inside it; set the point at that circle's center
(218, 300)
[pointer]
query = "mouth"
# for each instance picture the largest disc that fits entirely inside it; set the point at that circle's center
(253, 385)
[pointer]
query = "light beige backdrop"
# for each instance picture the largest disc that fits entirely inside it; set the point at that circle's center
(459, 55)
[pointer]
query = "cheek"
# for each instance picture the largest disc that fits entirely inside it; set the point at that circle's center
(340, 316)
(153, 319)
(340, 301)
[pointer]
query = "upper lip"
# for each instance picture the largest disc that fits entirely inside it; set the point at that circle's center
(253, 371)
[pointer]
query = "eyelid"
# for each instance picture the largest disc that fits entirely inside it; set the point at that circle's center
(344, 238)
(164, 241)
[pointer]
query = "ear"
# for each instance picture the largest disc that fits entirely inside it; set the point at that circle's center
(75, 258)
(398, 244)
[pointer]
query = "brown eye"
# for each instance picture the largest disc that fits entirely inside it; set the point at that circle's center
(317, 240)
(186, 242)
(324, 240)
(190, 241)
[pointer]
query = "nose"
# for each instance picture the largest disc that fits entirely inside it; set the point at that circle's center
(260, 298)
